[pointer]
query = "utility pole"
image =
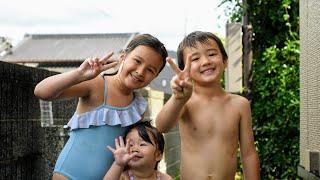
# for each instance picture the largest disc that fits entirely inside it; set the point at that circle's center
(247, 51)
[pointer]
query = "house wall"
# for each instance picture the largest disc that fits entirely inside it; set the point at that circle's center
(28, 150)
(309, 88)
(171, 158)
(233, 72)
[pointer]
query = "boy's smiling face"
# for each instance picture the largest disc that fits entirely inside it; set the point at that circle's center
(207, 63)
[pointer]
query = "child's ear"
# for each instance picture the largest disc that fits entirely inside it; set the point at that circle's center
(225, 63)
(122, 57)
(158, 155)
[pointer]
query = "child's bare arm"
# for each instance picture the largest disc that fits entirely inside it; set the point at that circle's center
(68, 85)
(169, 115)
(182, 87)
(114, 173)
(54, 87)
(166, 177)
(249, 156)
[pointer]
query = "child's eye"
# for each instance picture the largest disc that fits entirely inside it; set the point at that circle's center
(212, 54)
(130, 144)
(151, 70)
(137, 61)
(195, 59)
(143, 144)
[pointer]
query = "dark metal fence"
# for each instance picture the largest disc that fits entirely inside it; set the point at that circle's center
(27, 150)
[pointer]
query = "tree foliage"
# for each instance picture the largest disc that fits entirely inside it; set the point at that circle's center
(275, 103)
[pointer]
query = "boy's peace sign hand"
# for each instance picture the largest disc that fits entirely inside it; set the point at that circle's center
(121, 153)
(92, 67)
(181, 83)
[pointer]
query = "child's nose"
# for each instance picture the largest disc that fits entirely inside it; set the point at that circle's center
(134, 149)
(206, 61)
(140, 71)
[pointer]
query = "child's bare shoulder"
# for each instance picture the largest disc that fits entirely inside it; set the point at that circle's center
(165, 176)
(239, 101)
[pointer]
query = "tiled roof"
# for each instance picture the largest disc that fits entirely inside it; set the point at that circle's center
(36, 48)
(63, 48)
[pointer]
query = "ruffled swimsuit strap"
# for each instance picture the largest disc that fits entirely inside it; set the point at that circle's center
(105, 95)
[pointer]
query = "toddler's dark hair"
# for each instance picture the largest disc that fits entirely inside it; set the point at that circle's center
(143, 128)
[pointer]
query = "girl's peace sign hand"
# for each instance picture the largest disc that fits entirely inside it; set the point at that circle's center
(121, 153)
(181, 83)
(92, 67)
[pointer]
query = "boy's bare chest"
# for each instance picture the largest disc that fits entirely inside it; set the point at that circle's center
(212, 119)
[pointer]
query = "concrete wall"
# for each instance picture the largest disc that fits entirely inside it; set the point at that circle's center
(171, 158)
(29, 150)
(309, 88)
(172, 149)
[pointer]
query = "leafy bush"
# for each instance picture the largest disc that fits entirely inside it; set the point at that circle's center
(275, 91)
(276, 110)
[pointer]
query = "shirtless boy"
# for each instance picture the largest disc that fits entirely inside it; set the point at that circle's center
(212, 122)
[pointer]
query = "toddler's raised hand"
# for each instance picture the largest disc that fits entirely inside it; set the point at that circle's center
(121, 153)
(181, 83)
(92, 67)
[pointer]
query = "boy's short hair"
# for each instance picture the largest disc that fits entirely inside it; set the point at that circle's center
(192, 39)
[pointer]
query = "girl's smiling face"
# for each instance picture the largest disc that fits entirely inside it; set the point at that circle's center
(140, 66)
(147, 153)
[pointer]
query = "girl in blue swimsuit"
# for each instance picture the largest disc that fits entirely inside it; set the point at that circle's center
(107, 104)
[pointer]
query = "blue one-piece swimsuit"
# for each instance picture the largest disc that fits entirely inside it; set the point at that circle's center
(85, 155)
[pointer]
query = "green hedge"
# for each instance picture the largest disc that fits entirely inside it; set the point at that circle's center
(275, 90)
(276, 110)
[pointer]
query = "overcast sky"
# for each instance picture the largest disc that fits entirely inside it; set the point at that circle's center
(168, 20)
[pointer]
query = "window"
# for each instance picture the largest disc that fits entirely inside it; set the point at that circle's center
(164, 82)
(46, 113)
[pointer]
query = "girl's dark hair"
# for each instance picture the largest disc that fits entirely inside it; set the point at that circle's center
(191, 41)
(150, 41)
(143, 128)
